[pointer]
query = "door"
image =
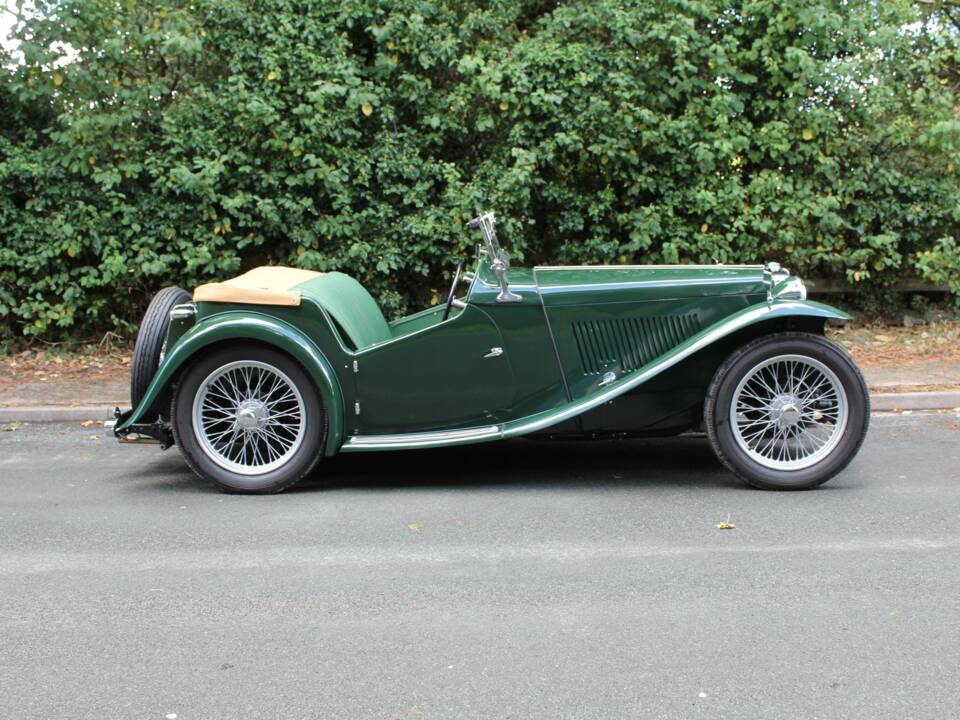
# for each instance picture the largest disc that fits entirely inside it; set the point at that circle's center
(454, 374)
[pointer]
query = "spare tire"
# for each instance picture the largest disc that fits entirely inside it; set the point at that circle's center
(150, 339)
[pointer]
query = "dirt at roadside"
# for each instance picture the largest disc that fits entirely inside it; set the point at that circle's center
(63, 368)
(892, 346)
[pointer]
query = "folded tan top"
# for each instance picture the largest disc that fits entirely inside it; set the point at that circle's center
(267, 285)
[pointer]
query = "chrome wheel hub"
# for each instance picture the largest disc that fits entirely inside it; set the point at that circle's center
(785, 411)
(788, 412)
(252, 414)
(249, 417)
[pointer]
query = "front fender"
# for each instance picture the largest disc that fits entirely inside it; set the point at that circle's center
(761, 312)
(257, 327)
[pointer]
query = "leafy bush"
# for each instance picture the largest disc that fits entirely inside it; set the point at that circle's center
(152, 143)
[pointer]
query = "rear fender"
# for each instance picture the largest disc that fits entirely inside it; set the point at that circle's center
(232, 326)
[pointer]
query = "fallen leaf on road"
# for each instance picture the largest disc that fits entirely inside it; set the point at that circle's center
(415, 526)
(11, 426)
(88, 423)
(94, 437)
(727, 525)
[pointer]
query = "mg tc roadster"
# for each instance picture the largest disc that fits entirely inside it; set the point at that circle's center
(258, 378)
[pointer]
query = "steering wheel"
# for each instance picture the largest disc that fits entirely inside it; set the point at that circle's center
(453, 290)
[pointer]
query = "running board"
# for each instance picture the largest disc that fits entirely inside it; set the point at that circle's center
(408, 441)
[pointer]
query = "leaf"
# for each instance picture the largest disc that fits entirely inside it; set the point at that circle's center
(11, 426)
(415, 526)
(726, 525)
(195, 117)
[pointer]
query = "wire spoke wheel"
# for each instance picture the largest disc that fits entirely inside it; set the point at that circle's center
(789, 412)
(249, 417)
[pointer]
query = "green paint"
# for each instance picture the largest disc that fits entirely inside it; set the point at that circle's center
(251, 327)
(661, 332)
(355, 311)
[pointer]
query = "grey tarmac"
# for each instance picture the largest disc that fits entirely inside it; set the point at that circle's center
(515, 580)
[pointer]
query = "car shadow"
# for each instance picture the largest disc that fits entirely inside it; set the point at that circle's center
(686, 460)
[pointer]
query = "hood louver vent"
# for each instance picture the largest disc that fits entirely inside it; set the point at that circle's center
(630, 343)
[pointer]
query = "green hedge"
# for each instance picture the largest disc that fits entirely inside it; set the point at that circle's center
(152, 143)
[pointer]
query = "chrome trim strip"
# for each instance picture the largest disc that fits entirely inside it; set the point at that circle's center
(424, 439)
(644, 267)
(634, 284)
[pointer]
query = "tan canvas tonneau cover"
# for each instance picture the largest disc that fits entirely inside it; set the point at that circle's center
(267, 285)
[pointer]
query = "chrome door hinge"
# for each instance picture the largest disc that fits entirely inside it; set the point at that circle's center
(494, 352)
(356, 366)
(356, 408)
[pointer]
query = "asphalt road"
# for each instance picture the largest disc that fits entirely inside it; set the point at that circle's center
(520, 580)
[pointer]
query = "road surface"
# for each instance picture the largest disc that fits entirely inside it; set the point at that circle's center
(517, 580)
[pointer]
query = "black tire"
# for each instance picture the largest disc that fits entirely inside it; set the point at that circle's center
(150, 339)
(205, 464)
(751, 355)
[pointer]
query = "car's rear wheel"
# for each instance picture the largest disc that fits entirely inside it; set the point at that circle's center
(249, 419)
(787, 411)
(148, 348)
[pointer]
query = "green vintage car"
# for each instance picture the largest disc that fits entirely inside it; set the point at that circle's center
(258, 378)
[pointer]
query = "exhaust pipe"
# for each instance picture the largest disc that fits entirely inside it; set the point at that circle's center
(138, 439)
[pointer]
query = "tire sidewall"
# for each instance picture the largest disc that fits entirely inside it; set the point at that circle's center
(278, 479)
(151, 336)
(858, 412)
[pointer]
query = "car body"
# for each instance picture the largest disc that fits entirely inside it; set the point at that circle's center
(556, 351)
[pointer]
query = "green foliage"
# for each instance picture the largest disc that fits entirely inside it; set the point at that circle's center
(152, 143)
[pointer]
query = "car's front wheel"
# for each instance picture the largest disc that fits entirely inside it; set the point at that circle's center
(249, 419)
(787, 411)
